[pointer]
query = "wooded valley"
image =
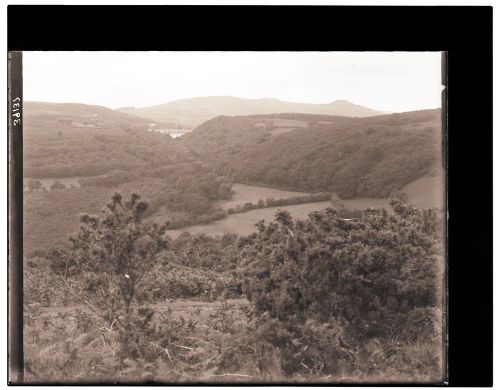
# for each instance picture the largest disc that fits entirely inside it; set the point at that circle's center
(117, 287)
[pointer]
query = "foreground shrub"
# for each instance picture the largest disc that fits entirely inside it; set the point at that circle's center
(173, 281)
(42, 286)
(328, 281)
(217, 254)
(113, 250)
(311, 347)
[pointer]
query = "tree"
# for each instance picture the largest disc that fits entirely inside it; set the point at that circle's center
(113, 250)
(247, 206)
(401, 195)
(269, 202)
(336, 202)
(34, 185)
(57, 185)
(224, 191)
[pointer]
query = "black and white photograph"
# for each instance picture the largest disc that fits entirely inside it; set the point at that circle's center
(234, 217)
(249, 195)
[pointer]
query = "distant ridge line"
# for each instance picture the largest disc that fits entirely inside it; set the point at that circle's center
(190, 112)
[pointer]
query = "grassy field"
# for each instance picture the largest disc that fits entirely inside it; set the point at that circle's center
(244, 223)
(425, 192)
(243, 193)
(278, 122)
(285, 125)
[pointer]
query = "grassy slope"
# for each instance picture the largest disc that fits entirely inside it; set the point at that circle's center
(244, 223)
(243, 193)
(425, 192)
(35, 111)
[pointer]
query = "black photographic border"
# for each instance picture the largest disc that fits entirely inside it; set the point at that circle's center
(463, 32)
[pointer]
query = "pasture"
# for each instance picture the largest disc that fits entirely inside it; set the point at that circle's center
(243, 193)
(425, 192)
(281, 126)
(244, 223)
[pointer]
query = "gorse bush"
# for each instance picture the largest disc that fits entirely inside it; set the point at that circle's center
(176, 281)
(208, 253)
(194, 267)
(113, 250)
(42, 286)
(326, 278)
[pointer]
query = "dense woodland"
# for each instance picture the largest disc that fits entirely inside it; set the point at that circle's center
(353, 157)
(124, 157)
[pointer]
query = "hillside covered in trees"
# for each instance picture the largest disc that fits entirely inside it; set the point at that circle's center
(65, 139)
(354, 157)
(107, 152)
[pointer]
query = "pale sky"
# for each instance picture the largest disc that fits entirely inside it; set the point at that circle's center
(387, 81)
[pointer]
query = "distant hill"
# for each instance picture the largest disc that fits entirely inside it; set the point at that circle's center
(354, 157)
(69, 139)
(77, 115)
(189, 113)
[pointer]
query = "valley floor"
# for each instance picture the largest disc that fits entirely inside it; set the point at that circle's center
(244, 223)
(425, 192)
